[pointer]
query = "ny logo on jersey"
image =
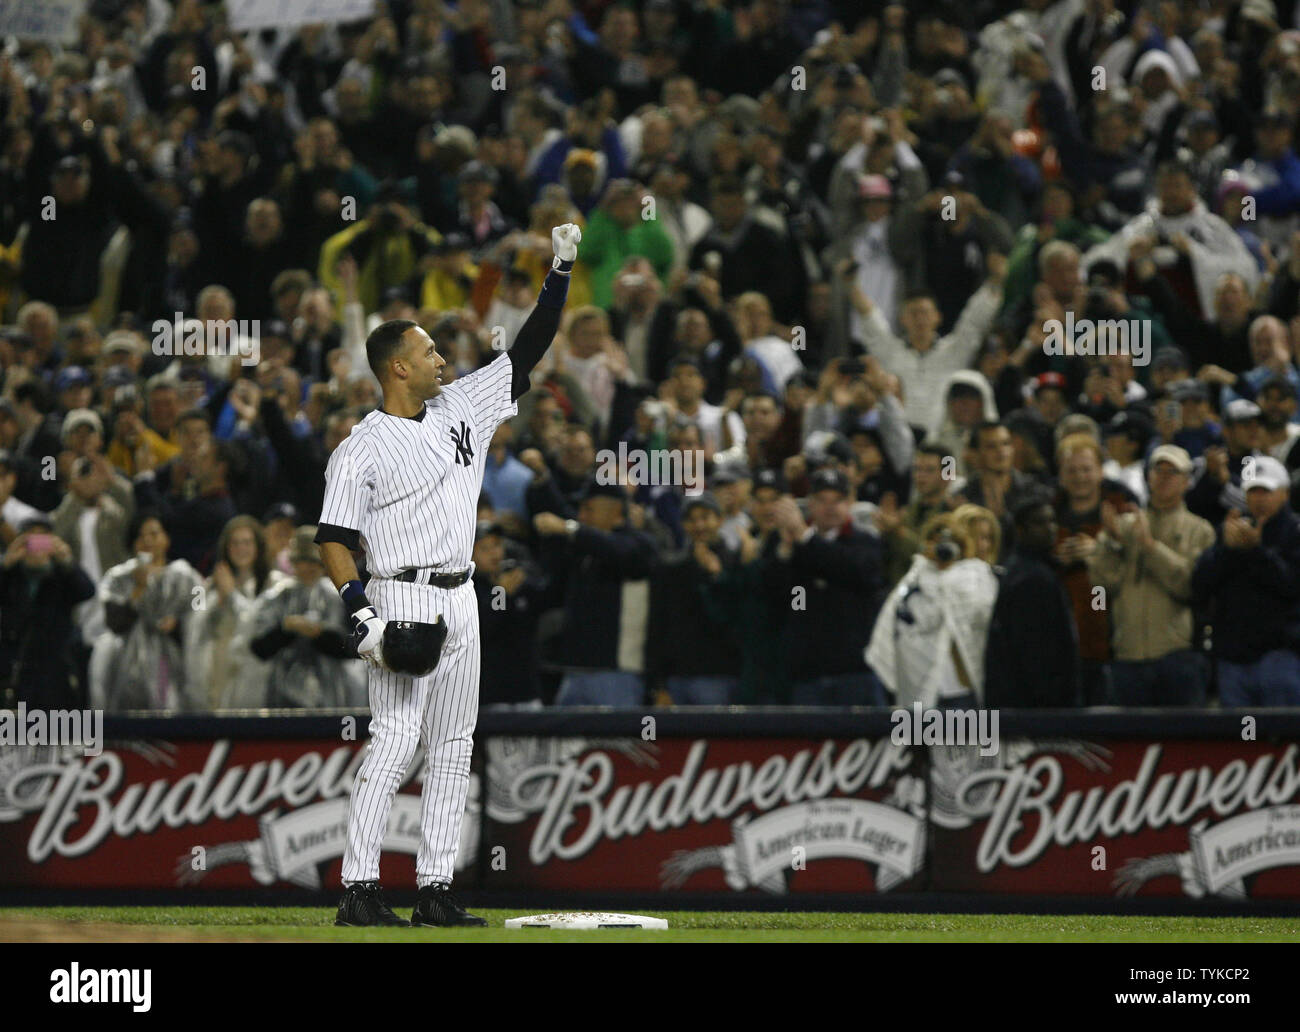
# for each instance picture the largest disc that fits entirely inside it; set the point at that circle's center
(464, 453)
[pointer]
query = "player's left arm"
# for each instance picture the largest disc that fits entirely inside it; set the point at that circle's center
(538, 331)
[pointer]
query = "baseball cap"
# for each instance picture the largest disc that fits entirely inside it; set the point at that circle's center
(484, 528)
(123, 340)
(828, 480)
(281, 511)
(81, 417)
(70, 163)
(1240, 411)
(1230, 182)
(1134, 426)
(729, 473)
(1189, 390)
(396, 294)
(451, 243)
(1277, 383)
(1174, 455)
(478, 172)
(580, 156)
(706, 500)
(459, 136)
(1267, 473)
(393, 191)
(1169, 358)
(772, 478)
(948, 77)
(240, 143)
(73, 376)
(596, 488)
(302, 546)
(1044, 381)
(118, 376)
(1105, 272)
(875, 187)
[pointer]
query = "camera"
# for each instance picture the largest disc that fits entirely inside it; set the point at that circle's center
(946, 550)
(851, 367)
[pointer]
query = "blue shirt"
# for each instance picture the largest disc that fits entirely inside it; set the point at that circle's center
(505, 483)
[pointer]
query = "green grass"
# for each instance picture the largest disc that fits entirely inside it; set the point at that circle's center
(316, 925)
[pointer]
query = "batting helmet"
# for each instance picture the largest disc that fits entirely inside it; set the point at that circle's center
(413, 648)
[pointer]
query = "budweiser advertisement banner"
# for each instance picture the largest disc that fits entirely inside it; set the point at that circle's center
(1105, 817)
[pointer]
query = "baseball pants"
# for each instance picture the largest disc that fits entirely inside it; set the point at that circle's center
(438, 711)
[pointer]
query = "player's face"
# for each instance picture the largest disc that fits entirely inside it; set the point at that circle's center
(422, 363)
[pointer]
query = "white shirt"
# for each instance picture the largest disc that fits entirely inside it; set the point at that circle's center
(89, 615)
(777, 356)
(14, 512)
(709, 419)
(924, 373)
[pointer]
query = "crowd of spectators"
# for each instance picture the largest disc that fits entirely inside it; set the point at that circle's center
(824, 248)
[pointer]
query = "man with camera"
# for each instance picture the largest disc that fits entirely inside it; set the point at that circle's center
(40, 584)
(389, 247)
(1251, 577)
(1144, 559)
(831, 576)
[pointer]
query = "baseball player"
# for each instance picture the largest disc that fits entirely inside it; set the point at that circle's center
(403, 487)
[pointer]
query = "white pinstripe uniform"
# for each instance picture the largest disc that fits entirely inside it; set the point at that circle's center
(410, 486)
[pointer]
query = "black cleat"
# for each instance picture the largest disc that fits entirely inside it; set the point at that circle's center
(363, 906)
(436, 907)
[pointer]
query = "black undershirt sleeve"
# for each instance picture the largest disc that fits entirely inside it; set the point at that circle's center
(343, 535)
(537, 332)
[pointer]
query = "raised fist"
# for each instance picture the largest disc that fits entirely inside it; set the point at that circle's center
(564, 240)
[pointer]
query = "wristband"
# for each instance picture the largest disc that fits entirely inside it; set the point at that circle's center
(354, 596)
(555, 289)
(559, 265)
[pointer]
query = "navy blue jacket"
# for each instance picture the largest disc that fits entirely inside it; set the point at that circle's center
(1254, 593)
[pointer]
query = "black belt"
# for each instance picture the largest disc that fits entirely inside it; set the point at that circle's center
(433, 578)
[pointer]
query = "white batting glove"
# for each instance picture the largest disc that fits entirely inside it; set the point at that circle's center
(368, 631)
(565, 240)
